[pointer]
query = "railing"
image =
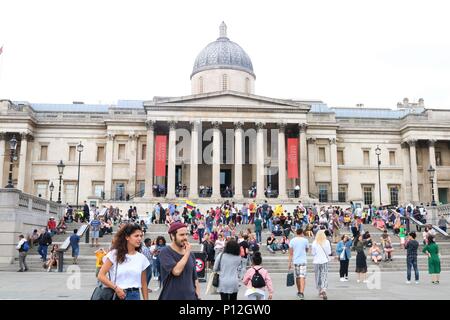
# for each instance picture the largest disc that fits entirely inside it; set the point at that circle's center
(39, 205)
(66, 245)
(23, 200)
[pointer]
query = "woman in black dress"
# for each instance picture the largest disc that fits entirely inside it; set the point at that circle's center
(361, 263)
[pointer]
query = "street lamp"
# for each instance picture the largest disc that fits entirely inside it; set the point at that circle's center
(80, 148)
(431, 172)
(12, 149)
(60, 171)
(378, 153)
(51, 187)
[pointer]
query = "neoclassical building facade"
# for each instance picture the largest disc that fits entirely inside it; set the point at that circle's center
(224, 135)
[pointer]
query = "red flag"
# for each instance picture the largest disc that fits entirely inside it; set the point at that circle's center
(160, 156)
(292, 158)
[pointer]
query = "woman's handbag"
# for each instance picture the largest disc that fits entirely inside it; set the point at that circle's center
(101, 292)
(216, 276)
(290, 279)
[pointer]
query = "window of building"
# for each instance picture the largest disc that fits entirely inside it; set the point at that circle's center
(99, 189)
(141, 188)
(418, 157)
(340, 157)
(393, 193)
(144, 152)
(121, 151)
(366, 157)
(342, 195)
(41, 188)
(368, 195)
(392, 158)
(224, 82)
(119, 193)
(44, 151)
(247, 85)
(100, 154)
(322, 154)
(70, 193)
(72, 150)
(438, 158)
(200, 85)
(323, 192)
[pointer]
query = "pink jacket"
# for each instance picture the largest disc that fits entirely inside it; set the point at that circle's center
(265, 274)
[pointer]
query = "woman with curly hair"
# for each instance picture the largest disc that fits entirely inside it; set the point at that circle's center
(127, 265)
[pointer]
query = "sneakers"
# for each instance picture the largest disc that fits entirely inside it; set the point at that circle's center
(408, 282)
(417, 282)
(342, 279)
(301, 296)
(345, 279)
(20, 270)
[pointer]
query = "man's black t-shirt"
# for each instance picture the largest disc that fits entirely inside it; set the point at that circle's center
(181, 287)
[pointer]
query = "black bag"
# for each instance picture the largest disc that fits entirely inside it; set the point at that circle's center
(216, 276)
(290, 279)
(101, 292)
(258, 280)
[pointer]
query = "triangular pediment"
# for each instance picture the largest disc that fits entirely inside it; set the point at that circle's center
(226, 98)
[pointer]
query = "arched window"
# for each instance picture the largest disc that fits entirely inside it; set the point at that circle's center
(200, 85)
(224, 82)
(247, 85)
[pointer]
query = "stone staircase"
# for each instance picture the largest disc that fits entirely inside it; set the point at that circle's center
(275, 263)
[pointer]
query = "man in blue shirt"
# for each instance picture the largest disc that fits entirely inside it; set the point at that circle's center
(298, 247)
(75, 244)
(95, 230)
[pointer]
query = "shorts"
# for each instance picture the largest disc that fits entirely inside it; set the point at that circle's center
(300, 270)
(75, 252)
(95, 234)
(402, 240)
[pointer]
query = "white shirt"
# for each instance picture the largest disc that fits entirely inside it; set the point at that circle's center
(130, 271)
(321, 256)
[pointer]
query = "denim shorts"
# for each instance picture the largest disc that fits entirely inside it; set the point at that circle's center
(95, 234)
(75, 252)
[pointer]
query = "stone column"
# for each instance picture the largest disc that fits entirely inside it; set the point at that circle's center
(132, 158)
(413, 160)
(282, 161)
(4, 154)
(431, 143)
(238, 155)
(304, 192)
(334, 170)
(217, 154)
(193, 179)
(171, 160)
(109, 158)
(22, 162)
(149, 158)
(406, 174)
(311, 163)
(260, 154)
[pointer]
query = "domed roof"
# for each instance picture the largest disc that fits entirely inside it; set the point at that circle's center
(223, 54)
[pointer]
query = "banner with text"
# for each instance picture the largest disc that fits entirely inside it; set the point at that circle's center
(160, 156)
(292, 158)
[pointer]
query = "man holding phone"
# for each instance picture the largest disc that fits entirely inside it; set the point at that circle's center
(178, 272)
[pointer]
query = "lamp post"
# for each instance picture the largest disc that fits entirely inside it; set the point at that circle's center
(80, 148)
(51, 187)
(431, 172)
(12, 149)
(60, 171)
(378, 153)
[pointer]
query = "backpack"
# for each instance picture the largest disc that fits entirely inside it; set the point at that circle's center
(25, 246)
(242, 251)
(258, 280)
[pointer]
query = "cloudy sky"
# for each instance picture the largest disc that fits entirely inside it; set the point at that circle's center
(342, 52)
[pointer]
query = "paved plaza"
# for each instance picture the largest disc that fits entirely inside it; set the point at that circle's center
(55, 286)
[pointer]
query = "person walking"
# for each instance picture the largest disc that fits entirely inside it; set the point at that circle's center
(23, 246)
(45, 239)
(86, 213)
(434, 261)
(361, 259)
(411, 247)
(298, 247)
(128, 263)
(178, 267)
(228, 265)
(147, 253)
(257, 279)
(208, 249)
(94, 225)
(258, 227)
(343, 251)
(321, 250)
(75, 244)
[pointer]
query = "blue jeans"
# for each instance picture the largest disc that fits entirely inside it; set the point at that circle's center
(411, 262)
(258, 236)
(200, 235)
(149, 272)
(270, 225)
(133, 295)
(42, 250)
(245, 219)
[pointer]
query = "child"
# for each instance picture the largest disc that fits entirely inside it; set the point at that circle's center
(257, 279)
(99, 254)
(402, 235)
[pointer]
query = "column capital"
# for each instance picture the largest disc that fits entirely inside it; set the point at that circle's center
(110, 136)
(238, 124)
(194, 124)
(282, 126)
(216, 124)
(312, 140)
(132, 136)
(150, 124)
(172, 124)
(411, 142)
(431, 142)
(260, 125)
(332, 140)
(2, 136)
(26, 136)
(302, 127)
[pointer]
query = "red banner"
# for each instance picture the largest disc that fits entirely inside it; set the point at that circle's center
(292, 158)
(160, 156)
